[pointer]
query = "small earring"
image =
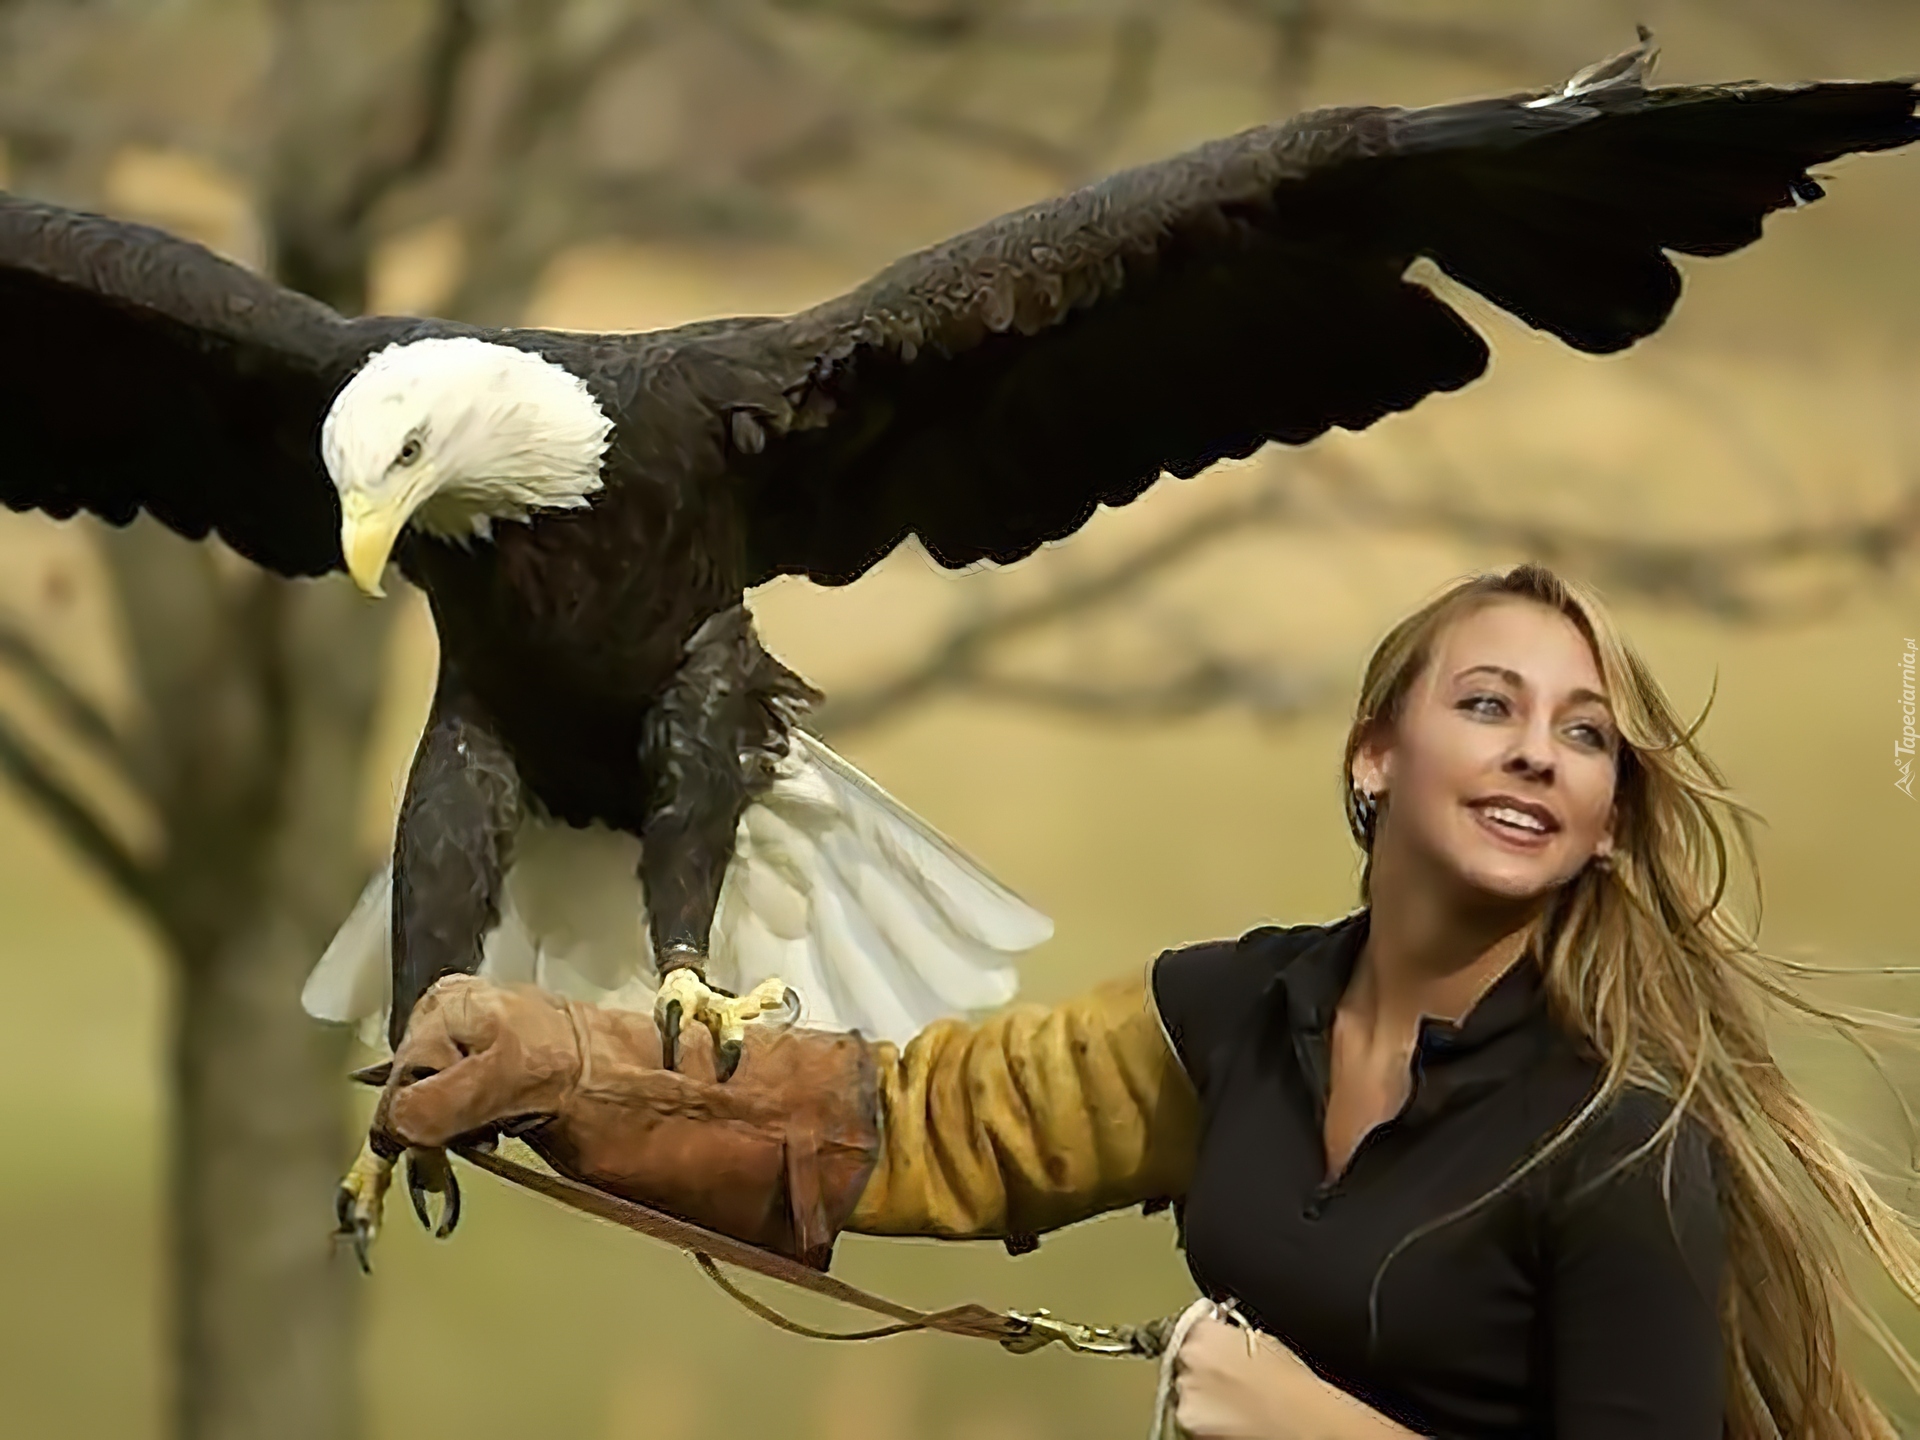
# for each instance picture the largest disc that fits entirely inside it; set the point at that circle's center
(1366, 807)
(1603, 860)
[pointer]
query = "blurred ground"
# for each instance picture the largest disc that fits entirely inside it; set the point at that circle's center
(1784, 390)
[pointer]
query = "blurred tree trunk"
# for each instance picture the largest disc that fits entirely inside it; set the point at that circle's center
(259, 699)
(256, 699)
(261, 695)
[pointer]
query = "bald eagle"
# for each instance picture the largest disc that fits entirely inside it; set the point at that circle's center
(585, 512)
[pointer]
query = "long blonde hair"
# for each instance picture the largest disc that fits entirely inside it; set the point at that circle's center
(1646, 960)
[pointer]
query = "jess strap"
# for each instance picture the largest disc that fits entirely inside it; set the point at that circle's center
(1018, 1332)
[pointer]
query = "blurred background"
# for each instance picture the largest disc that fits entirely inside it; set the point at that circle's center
(1139, 730)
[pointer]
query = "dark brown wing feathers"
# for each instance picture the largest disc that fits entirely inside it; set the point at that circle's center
(141, 371)
(989, 393)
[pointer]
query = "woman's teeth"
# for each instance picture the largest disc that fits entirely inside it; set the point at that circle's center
(1514, 818)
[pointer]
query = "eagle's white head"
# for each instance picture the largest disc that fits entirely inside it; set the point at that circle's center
(452, 435)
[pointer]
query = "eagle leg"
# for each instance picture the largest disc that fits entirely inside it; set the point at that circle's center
(712, 741)
(451, 850)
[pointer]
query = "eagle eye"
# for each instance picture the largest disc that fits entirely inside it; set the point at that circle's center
(409, 452)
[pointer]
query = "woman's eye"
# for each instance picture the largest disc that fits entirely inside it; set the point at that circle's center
(1592, 735)
(1484, 704)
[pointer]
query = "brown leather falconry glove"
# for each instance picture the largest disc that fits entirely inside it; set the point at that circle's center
(777, 1156)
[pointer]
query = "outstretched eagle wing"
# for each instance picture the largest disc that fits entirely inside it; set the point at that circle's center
(143, 372)
(988, 394)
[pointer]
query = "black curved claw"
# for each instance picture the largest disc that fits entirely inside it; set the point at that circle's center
(353, 1228)
(450, 1216)
(726, 1060)
(417, 1193)
(435, 1176)
(670, 1035)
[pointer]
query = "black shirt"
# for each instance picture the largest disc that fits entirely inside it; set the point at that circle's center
(1578, 1304)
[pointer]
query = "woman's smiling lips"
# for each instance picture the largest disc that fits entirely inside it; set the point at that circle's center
(1523, 824)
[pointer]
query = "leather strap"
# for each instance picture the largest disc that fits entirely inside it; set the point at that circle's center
(1017, 1332)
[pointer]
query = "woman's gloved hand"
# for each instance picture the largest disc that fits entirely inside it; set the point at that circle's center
(776, 1156)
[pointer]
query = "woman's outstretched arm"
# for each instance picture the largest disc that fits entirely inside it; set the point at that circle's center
(1031, 1119)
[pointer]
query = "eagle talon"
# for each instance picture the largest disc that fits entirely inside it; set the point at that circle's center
(352, 1227)
(358, 1203)
(450, 1217)
(669, 1022)
(430, 1172)
(417, 1193)
(684, 994)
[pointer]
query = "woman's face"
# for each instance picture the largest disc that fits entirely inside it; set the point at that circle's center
(1500, 770)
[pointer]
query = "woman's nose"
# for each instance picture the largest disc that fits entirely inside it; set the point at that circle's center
(1532, 758)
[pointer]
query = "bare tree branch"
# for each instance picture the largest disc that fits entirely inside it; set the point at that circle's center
(1129, 88)
(1267, 691)
(73, 818)
(917, 24)
(996, 137)
(1134, 38)
(559, 80)
(75, 711)
(538, 194)
(958, 659)
(1298, 31)
(952, 24)
(1501, 48)
(456, 30)
(1715, 576)
(1301, 28)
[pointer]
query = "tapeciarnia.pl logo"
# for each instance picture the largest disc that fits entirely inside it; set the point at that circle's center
(1903, 747)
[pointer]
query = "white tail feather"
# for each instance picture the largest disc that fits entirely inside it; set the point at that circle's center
(353, 981)
(877, 921)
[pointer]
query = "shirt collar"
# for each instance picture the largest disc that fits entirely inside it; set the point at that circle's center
(1308, 988)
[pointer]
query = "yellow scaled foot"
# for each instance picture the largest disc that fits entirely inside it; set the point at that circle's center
(362, 1196)
(685, 996)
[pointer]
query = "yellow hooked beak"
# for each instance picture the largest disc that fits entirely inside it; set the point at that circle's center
(369, 529)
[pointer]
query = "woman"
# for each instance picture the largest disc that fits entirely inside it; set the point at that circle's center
(1503, 1153)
